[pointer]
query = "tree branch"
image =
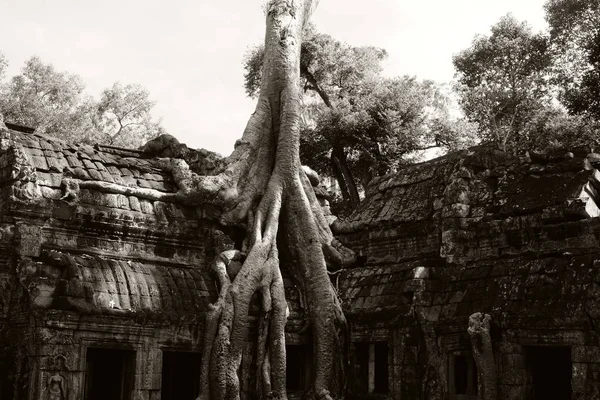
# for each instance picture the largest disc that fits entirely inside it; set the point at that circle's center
(315, 85)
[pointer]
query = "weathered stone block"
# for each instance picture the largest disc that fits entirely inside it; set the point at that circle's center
(146, 206)
(95, 174)
(579, 377)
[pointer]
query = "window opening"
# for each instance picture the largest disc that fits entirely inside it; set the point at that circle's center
(550, 369)
(180, 375)
(109, 374)
(371, 368)
(463, 376)
(297, 362)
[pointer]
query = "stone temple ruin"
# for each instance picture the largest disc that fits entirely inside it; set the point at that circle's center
(478, 277)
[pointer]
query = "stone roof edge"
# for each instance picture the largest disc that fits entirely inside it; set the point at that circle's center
(122, 151)
(589, 161)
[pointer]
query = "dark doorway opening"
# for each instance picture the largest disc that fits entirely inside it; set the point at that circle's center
(109, 374)
(463, 376)
(360, 384)
(297, 361)
(371, 370)
(381, 375)
(551, 371)
(180, 375)
(6, 379)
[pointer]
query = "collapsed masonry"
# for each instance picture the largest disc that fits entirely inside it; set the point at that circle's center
(476, 277)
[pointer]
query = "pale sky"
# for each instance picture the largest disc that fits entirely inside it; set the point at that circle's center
(188, 53)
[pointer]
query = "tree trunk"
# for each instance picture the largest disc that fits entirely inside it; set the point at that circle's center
(434, 380)
(481, 342)
(339, 177)
(315, 85)
(339, 162)
(342, 172)
(262, 187)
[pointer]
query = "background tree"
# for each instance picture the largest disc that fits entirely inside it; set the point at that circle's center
(53, 103)
(123, 116)
(503, 82)
(41, 97)
(553, 128)
(575, 38)
(379, 126)
(357, 124)
(3, 65)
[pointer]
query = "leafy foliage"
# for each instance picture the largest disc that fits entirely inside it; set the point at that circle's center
(358, 124)
(42, 97)
(3, 65)
(123, 115)
(53, 103)
(381, 125)
(503, 81)
(325, 62)
(553, 128)
(575, 37)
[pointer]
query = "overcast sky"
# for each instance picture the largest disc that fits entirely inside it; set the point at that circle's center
(188, 53)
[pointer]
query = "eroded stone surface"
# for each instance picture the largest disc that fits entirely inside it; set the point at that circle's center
(85, 266)
(516, 239)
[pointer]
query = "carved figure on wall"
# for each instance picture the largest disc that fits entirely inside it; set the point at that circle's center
(56, 385)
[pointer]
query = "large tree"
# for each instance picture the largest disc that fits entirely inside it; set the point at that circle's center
(330, 71)
(262, 188)
(3, 65)
(575, 37)
(553, 128)
(123, 116)
(357, 124)
(41, 97)
(503, 81)
(380, 126)
(53, 103)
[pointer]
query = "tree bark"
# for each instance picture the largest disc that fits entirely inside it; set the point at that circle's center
(481, 342)
(339, 162)
(315, 85)
(339, 177)
(342, 172)
(434, 382)
(263, 187)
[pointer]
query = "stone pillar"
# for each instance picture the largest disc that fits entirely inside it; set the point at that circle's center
(397, 357)
(481, 342)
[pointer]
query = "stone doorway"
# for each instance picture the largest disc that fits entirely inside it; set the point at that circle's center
(109, 374)
(371, 370)
(298, 373)
(180, 375)
(462, 376)
(550, 369)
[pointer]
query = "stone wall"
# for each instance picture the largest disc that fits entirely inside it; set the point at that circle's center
(88, 267)
(478, 231)
(99, 252)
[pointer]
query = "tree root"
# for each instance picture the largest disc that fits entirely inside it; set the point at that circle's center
(434, 383)
(481, 342)
(272, 193)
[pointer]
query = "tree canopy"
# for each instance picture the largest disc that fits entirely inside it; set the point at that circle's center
(356, 123)
(575, 37)
(379, 127)
(123, 115)
(535, 91)
(3, 65)
(503, 81)
(54, 103)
